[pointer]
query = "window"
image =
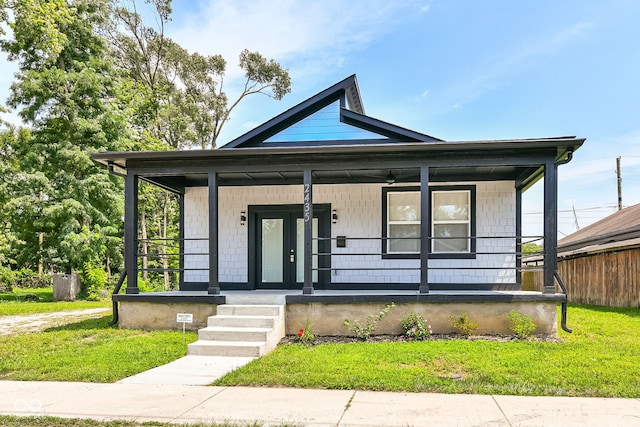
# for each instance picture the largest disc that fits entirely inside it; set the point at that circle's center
(403, 213)
(452, 222)
(451, 218)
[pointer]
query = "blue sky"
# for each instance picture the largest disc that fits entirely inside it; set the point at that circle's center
(457, 70)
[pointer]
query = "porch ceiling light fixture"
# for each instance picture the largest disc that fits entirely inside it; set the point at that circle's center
(391, 178)
(243, 218)
(334, 216)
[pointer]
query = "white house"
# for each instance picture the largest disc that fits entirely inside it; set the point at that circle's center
(331, 205)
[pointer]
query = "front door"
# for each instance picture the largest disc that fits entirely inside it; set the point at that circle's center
(278, 246)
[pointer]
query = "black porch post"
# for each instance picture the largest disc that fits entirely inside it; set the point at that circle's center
(550, 225)
(214, 283)
(425, 230)
(131, 232)
(181, 237)
(307, 287)
(519, 238)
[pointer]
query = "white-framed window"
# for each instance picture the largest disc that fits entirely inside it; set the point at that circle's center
(403, 222)
(451, 221)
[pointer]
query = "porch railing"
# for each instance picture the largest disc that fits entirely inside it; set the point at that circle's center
(494, 256)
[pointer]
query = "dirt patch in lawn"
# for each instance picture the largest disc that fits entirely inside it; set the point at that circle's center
(20, 324)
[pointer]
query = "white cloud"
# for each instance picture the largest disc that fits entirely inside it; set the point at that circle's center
(307, 35)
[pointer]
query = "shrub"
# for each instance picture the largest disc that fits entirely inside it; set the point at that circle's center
(415, 326)
(463, 324)
(365, 331)
(521, 324)
(305, 334)
(6, 280)
(94, 279)
(28, 279)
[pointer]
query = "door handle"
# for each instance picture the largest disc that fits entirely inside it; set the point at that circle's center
(292, 257)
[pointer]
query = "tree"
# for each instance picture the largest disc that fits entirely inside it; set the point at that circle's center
(66, 91)
(186, 104)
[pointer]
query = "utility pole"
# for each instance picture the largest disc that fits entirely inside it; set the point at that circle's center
(618, 172)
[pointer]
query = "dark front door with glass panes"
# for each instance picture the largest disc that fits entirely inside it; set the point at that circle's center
(279, 248)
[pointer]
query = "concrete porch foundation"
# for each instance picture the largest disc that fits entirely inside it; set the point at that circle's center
(327, 310)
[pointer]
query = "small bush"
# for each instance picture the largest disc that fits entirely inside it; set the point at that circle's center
(415, 326)
(463, 324)
(365, 331)
(521, 324)
(94, 279)
(28, 279)
(6, 280)
(305, 334)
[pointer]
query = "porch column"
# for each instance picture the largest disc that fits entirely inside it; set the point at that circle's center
(131, 232)
(307, 287)
(425, 230)
(550, 225)
(519, 238)
(181, 237)
(214, 282)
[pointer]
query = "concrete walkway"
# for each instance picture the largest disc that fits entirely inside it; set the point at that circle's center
(189, 404)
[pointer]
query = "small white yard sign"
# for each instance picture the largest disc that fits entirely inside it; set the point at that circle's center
(184, 318)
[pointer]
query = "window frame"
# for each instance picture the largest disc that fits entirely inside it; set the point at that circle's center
(471, 254)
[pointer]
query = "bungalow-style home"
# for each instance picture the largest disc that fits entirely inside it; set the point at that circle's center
(601, 262)
(337, 214)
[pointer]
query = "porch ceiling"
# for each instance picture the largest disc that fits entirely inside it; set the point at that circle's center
(519, 160)
(349, 176)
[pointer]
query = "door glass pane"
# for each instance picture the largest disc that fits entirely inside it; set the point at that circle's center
(272, 247)
(300, 253)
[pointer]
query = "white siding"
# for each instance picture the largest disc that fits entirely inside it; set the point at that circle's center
(359, 210)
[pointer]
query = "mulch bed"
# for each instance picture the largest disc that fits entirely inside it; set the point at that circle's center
(293, 339)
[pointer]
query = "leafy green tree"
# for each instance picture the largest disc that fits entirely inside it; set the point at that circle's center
(66, 91)
(186, 104)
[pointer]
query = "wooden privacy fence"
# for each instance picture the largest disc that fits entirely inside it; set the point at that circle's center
(609, 278)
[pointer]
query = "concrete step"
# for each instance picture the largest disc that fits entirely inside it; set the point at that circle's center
(221, 333)
(249, 310)
(240, 331)
(227, 348)
(242, 321)
(256, 298)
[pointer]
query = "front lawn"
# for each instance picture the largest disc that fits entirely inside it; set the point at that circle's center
(89, 351)
(600, 358)
(13, 303)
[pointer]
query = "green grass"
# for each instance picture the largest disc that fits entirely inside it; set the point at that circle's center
(13, 303)
(89, 351)
(599, 359)
(12, 421)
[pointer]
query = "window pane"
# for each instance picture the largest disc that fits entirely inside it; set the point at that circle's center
(451, 205)
(451, 245)
(404, 206)
(272, 247)
(404, 245)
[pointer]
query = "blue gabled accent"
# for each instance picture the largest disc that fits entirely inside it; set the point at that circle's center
(352, 126)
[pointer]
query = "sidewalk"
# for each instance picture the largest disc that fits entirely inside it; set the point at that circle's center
(188, 404)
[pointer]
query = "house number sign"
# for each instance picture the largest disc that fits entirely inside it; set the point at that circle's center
(307, 203)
